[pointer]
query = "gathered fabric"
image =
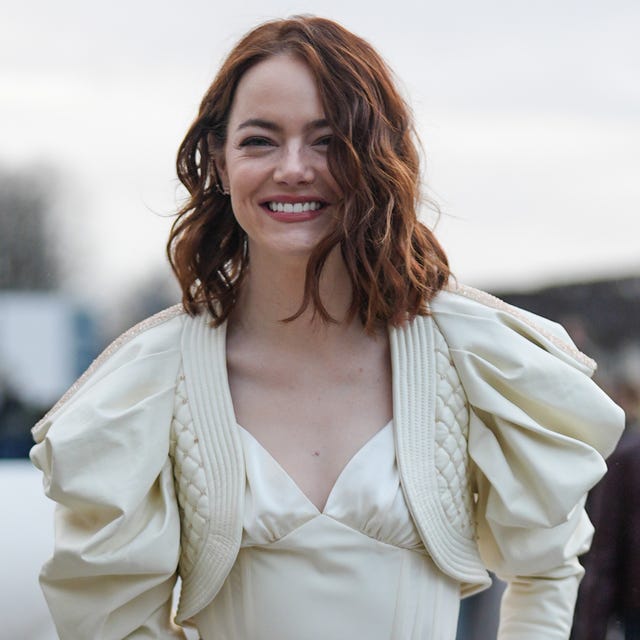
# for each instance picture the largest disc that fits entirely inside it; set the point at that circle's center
(499, 432)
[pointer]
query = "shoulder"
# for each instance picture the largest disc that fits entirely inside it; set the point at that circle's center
(473, 319)
(147, 354)
(521, 368)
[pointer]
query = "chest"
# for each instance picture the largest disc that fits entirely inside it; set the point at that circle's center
(313, 416)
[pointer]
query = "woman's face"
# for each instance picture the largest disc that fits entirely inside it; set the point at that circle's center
(274, 161)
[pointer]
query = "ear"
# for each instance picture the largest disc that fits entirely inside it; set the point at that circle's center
(221, 170)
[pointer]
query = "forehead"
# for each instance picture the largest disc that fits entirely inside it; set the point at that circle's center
(279, 87)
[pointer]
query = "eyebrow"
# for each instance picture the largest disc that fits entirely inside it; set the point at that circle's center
(272, 126)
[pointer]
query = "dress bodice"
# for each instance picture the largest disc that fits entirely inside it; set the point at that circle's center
(356, 569)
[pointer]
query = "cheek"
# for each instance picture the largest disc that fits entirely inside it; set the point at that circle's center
(244, 201)
(244, 177)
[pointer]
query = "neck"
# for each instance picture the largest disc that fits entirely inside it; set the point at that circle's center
(273, 290)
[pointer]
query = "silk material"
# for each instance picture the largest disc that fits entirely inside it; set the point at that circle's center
(358, 569)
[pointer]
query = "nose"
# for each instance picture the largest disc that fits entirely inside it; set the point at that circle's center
(294, 166)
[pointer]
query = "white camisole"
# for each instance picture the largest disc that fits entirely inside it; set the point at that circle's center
(358, 569)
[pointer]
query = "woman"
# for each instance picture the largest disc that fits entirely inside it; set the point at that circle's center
(327, 440)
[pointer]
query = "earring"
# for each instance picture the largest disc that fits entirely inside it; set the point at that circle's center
(221, 190)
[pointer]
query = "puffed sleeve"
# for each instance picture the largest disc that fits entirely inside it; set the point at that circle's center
(103, 452)
(539, 431)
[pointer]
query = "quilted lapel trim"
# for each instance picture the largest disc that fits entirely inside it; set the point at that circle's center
(205, 370)
(414, 400)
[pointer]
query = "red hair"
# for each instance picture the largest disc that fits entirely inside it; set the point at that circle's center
(394, 261)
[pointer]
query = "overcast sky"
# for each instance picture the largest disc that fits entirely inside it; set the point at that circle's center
(529, 113)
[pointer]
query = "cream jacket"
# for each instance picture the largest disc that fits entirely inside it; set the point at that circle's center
(499, 433)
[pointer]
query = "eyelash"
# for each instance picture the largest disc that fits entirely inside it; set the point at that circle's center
(259, 141)
(256, 141)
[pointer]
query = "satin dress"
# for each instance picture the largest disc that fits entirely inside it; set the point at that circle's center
(356, 569)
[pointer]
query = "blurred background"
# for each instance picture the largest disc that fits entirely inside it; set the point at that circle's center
(529, 114)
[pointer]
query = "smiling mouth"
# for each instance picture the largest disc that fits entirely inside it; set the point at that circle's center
(295, 207)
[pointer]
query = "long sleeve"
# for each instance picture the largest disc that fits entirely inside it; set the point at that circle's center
(538, 435)
(103, 453)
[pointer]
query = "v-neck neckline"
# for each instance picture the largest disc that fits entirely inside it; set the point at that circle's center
(345, 470)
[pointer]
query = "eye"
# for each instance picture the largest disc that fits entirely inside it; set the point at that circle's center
(256, 141)
(323, 141)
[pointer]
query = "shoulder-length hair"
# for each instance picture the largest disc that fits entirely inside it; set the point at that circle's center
(394, 261)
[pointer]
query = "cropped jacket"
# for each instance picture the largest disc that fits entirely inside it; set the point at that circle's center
(499, 433)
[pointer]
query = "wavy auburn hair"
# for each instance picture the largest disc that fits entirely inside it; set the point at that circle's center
(395, 263)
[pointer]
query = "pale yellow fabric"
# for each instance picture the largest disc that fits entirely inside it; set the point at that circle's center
(358, 569)
(538, 431)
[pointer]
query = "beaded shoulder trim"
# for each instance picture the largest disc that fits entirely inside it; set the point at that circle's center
(116, 345)
(492, 301)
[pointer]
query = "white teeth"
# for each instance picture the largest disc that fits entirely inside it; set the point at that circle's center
(298, 207)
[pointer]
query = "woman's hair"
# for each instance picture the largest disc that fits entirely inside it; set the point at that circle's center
(395, 263)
